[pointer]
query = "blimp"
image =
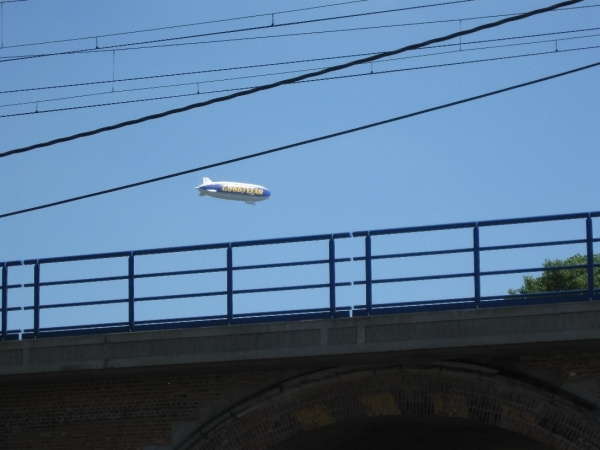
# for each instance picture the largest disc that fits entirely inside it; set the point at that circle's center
(231, 190)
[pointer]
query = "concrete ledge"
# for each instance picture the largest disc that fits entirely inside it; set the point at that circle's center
(436, 334)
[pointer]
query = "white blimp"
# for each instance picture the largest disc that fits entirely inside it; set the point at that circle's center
(231, 190)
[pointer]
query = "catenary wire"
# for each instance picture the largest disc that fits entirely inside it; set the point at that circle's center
(111, 49)
(170, 27)
(379, 72)
(256, 66)
(288, 80)
(308, 33)
(286, 24)
(194, 83)
(145, 43)
(298, 144)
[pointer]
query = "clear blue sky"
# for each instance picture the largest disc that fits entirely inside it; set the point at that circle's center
(534, 151)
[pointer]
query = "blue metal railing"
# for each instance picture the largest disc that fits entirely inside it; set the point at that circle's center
(477, 301)
(330, 260)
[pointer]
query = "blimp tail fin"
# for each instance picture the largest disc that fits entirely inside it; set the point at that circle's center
(206, 180)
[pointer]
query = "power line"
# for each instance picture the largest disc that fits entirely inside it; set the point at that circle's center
(287, 24)
(308, 33)
(91, 83)
(298, 144)
(289, 80)
(147, 30)
(381, 72)
(128, 46)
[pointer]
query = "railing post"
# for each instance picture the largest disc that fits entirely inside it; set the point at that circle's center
(368, 276)
(476, 266)
(4, 300)
(131, 296)
(590, 257)
(331, 277)
(229, 285)
(36, 299)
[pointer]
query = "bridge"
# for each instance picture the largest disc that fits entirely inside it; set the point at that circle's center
(492, 371)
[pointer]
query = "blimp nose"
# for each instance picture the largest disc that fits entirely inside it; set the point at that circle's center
(267, 193)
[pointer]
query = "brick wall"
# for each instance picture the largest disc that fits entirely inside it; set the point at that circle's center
(125, 414)
(440, 390)
(252, 410)
(573, 367)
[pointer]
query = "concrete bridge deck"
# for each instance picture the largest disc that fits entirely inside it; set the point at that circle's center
(431, 336)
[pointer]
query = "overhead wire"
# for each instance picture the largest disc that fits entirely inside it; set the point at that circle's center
(287, 24)
(298, 144)
(194, 83)
(379, 72)
(128, 46)
(256, 66)
(170, 27)
(289, 80)
(307, 33)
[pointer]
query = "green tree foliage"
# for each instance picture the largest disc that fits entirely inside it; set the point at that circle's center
(560, 280)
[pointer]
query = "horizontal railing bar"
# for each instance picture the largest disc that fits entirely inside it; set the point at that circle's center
(187, 248)
(181, 325)
(430, 277)
(280, 313)
(61, 259)
(13, 263)
(176, 296)
(66, 305)
(179, 319)
(14, 286)
(404, 255)
(419, 302)
(75, 332)
(414, 308)
(180, 249)
(293, 311)
(533, 301)
(123, 254)
(298, 263)
(79, 281)
(535, 294)
(180, 272)
(78, 332)
(450, 226)
(289, 317)
(13, 308)
(81, 327)
(542, 269)
(535, 244)
(489, 223)
(291, 240)
(289, 288)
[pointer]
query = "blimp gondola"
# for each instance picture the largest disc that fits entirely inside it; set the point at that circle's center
(231, 190)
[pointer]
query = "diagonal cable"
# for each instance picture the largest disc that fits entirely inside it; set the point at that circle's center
(298, 144)
(288, 80)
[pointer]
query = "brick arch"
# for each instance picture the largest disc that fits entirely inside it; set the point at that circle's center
(442, 390)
